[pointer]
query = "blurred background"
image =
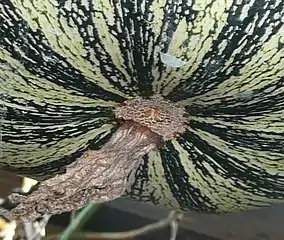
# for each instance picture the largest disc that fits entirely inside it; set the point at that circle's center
(125, 214)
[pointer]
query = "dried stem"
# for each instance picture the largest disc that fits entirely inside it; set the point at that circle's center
(97, 176)
(171, 220)
(101, 176)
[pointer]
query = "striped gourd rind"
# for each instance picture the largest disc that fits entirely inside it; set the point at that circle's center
(65, 65)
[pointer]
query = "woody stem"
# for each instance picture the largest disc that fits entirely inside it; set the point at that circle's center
(101, 175)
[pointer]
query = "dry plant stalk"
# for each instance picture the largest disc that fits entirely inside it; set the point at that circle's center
(101, 175)
(172, 220)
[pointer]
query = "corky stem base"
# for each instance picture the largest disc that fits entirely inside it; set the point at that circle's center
(101, 176)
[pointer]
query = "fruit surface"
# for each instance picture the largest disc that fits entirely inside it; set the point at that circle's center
(65, 65)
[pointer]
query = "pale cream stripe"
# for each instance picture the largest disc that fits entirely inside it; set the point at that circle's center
(37, 90)
(198, 43)
(35, 154)
(66, 42)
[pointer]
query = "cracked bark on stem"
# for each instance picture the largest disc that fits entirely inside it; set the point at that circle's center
(101, 175)
(97, 176)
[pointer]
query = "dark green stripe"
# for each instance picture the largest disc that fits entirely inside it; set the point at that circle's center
(186, 194)
(207, 77)
(57, 70)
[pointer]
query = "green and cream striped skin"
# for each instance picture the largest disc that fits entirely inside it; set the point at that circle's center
(66, 64)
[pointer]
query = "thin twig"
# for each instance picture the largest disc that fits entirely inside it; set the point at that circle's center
(171, 220)
(30, 232)
(39, 230)
(174, 229)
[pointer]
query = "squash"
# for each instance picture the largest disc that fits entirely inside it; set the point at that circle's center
(65, 65)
